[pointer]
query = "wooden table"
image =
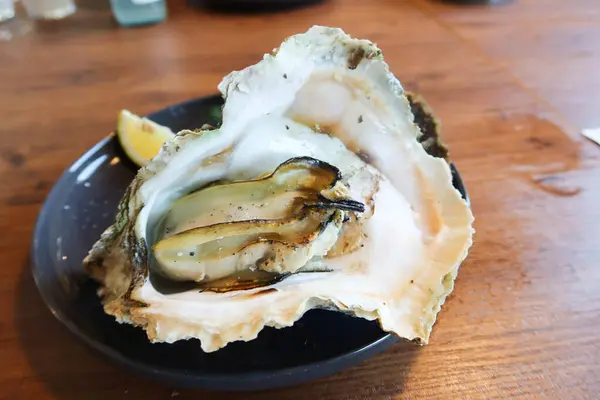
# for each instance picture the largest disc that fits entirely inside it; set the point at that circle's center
(513, 85)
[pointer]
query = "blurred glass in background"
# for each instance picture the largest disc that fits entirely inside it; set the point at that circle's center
(49, 9)
(7, 10)
(11, 24)
(138, 12)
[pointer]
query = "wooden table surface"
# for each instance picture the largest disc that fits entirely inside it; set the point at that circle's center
(513, 85)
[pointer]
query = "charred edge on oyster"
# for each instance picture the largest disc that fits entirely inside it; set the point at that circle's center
(345, 204)
(245, 280)
(314, 163)
(429, 126)
(263, 292)
(239, 254)
(248, 280)
(360, 53)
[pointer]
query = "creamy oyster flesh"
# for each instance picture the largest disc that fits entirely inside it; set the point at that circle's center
(294, 184)
(277, 224)
(330, 97)
(281, 245)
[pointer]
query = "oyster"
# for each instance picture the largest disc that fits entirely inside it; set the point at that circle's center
(275, 224)
(318, 190)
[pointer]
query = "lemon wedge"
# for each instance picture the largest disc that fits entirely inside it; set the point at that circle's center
(141, 138)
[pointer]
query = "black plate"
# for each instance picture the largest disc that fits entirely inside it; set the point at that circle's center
(82, 204)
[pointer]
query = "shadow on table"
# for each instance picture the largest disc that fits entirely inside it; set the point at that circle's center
(72, 371)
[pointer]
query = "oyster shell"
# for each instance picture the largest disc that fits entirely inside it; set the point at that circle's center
(381, 237)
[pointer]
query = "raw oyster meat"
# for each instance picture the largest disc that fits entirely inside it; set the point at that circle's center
(324, 187)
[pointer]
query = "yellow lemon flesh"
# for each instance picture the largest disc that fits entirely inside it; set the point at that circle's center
(141, 138)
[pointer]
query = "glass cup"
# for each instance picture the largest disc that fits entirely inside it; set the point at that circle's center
(7, 10)
(49, 9)
(11, 25)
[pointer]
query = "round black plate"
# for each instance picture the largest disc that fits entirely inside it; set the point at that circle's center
(83, 203)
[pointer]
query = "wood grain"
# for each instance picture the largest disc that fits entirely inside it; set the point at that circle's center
(512, 85)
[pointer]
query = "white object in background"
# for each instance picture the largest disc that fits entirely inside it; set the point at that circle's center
(49, 9)
(592, 134)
